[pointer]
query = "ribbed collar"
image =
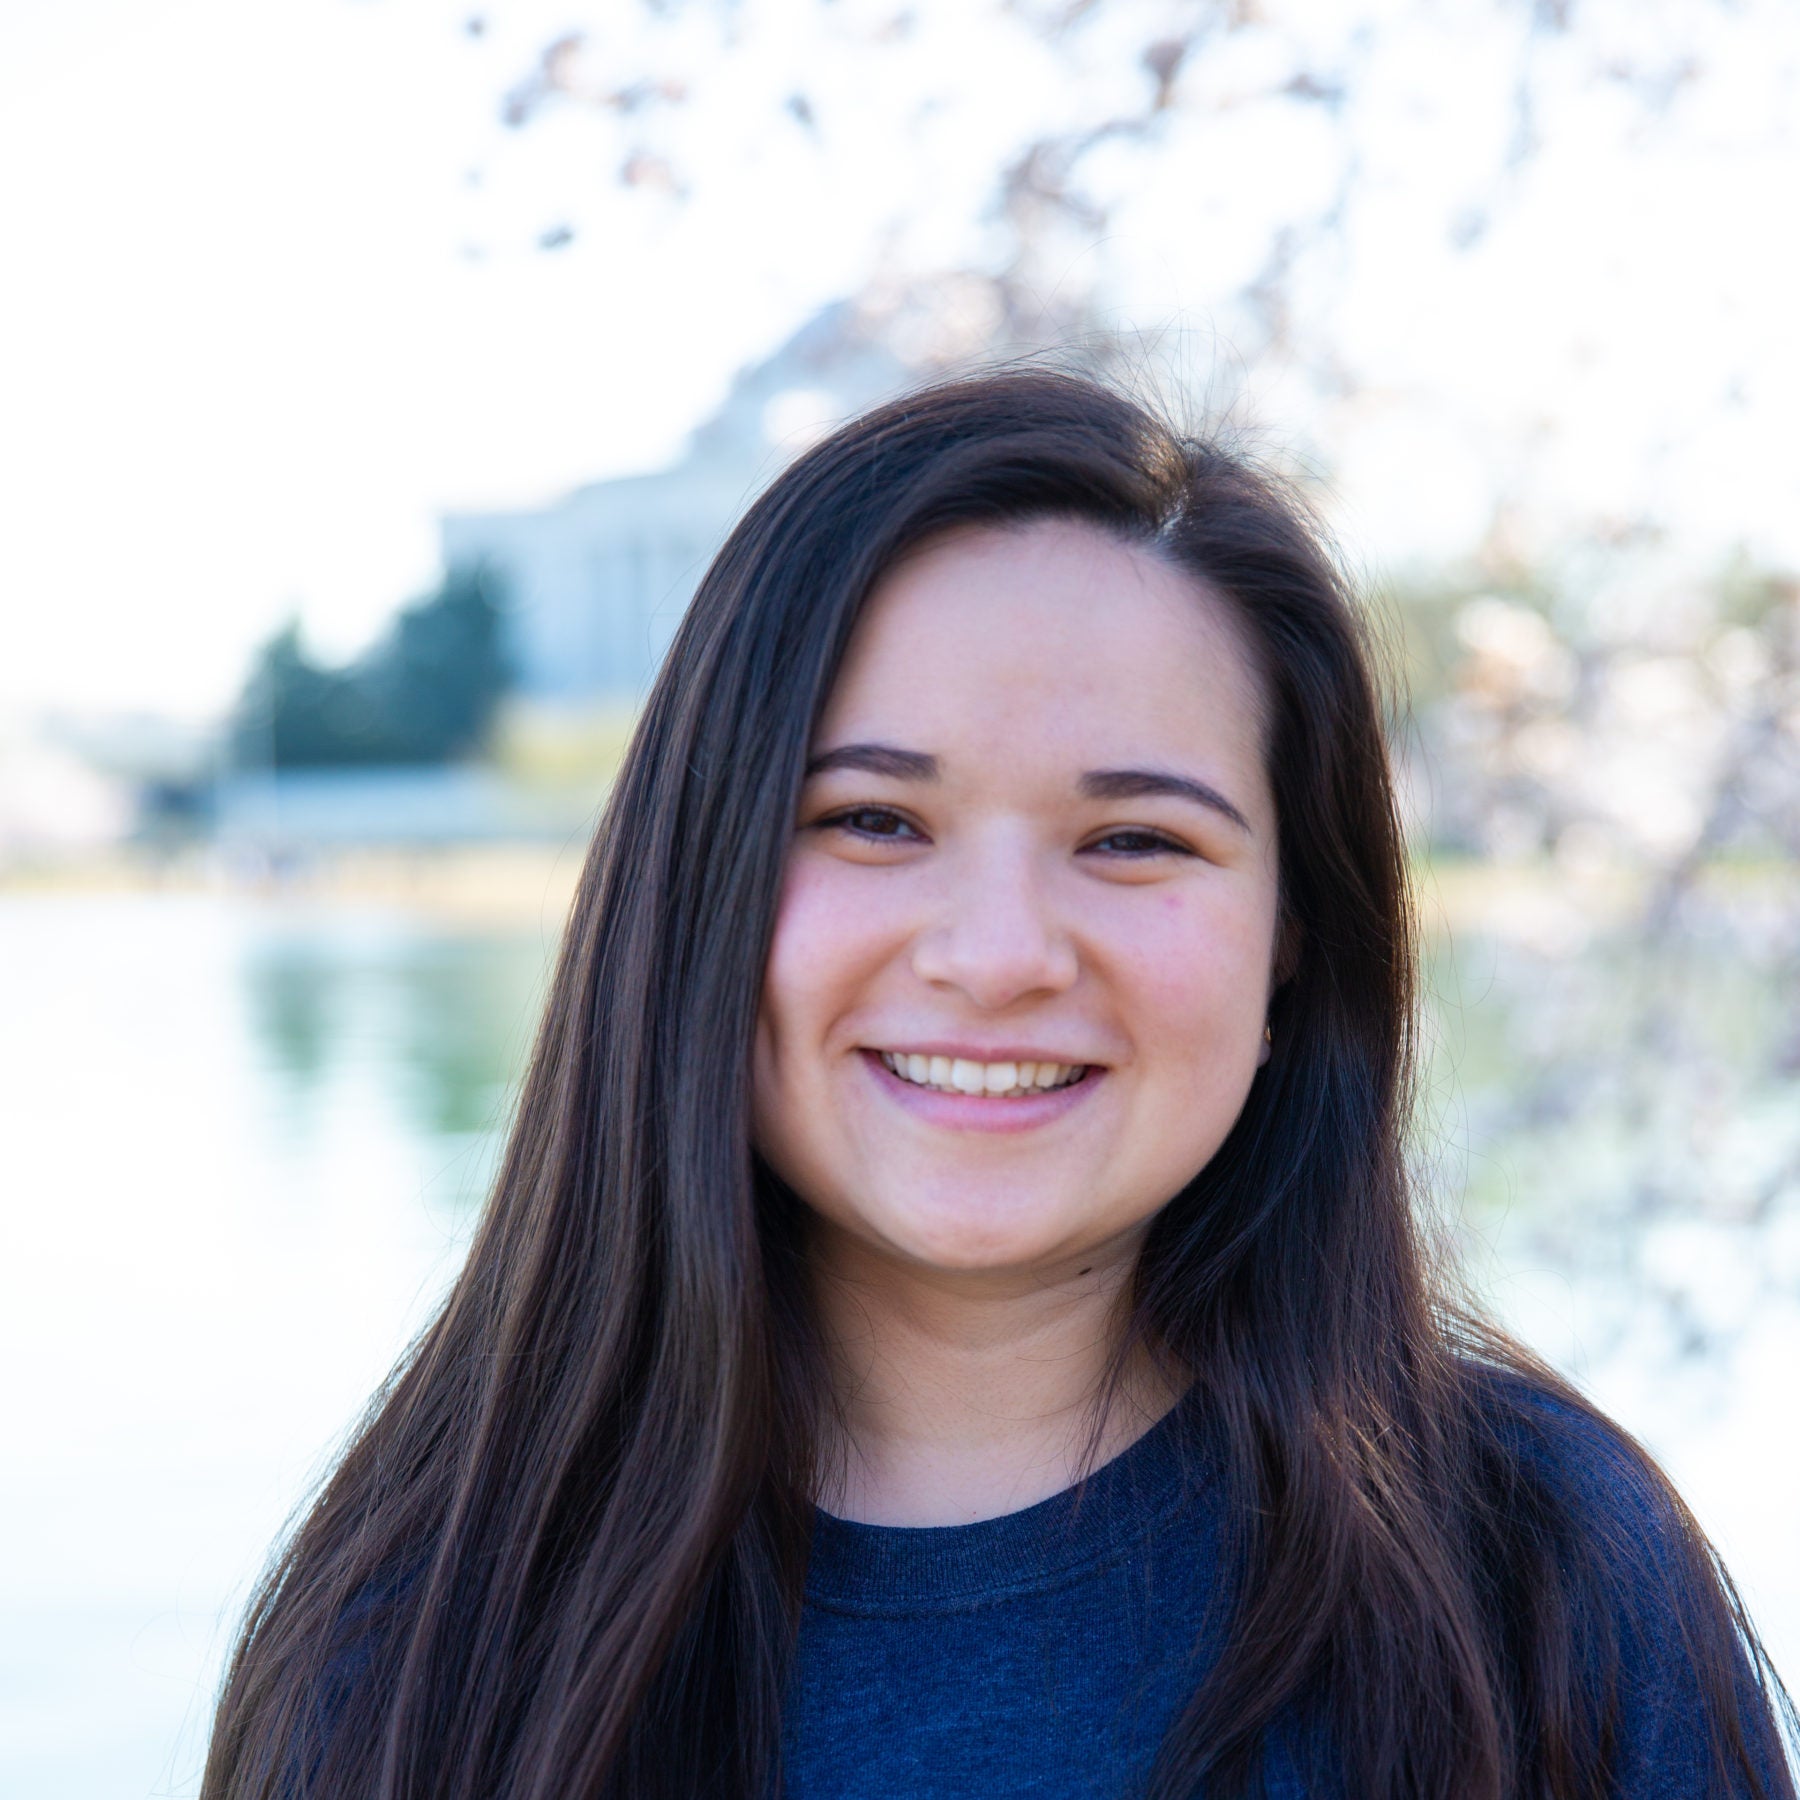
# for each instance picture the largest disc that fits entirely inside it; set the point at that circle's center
(896, 1569)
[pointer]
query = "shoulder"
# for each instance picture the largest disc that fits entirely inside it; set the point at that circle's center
(351, 1679)
(1564, 1467)
(1588, 1526)
(1580, 1500)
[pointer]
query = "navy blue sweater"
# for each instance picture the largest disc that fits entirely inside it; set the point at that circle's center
(1045, 1653)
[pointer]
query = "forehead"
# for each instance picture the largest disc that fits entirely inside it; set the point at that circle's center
(1055, 631)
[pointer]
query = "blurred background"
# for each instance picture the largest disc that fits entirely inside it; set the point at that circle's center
(376, 378)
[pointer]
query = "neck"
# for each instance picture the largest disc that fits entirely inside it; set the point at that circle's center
(964, 1395)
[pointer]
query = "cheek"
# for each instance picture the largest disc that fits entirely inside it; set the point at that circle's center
(828, 950)
(827, 944)
(1197, 969)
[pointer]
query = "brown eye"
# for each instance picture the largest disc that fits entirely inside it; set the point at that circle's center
(1139, 843)
(878, 823)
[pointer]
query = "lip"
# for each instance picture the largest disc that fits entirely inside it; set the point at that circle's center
(992, 1053)
(983, 1112)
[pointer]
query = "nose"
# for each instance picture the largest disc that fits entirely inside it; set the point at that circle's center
(995, 934)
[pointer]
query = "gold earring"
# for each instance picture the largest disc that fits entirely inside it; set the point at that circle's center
(1268, 1036)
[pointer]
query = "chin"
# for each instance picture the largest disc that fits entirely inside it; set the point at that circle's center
(971, 1237)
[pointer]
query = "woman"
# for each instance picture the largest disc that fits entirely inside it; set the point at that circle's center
(977, 1062)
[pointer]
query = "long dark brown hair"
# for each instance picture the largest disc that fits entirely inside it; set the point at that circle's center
(564, 1556)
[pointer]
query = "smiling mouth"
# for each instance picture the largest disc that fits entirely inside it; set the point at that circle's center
(994, 1081)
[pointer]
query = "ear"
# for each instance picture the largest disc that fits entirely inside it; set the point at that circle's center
(1288, 939)
(1281, 971)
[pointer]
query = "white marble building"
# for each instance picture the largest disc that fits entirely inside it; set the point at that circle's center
(598, 582)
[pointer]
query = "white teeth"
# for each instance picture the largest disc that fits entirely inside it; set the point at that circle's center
(967, 1077)
(959, 1075)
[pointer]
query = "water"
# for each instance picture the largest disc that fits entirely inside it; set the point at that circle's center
(241, 1151)
(241, 1144)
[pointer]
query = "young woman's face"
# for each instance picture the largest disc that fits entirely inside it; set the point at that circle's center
(1021, 966)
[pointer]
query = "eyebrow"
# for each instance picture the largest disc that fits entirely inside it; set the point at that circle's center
(876, 759)
(1096, 784)
(1133, 784)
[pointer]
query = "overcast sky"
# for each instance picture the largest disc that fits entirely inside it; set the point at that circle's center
(246, 353)
(258, 326)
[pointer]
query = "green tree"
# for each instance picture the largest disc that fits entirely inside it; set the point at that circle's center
(425, 693)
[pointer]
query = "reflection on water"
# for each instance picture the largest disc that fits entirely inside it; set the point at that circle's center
(439, 1020)
(242, 1148)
